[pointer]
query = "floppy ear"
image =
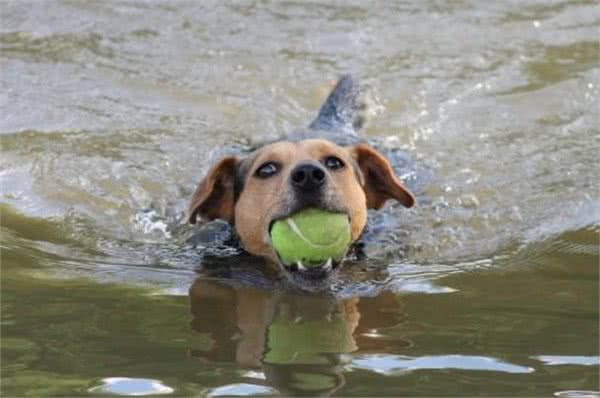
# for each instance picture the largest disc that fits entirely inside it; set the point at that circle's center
(214, 197)
(379, 181)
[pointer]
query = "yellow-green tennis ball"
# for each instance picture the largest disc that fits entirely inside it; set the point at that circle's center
(311, 236)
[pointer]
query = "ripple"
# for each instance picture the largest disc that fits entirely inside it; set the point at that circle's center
(241, 389)
(577, 394)
(131, 386)
(398, 364)
(568, 360)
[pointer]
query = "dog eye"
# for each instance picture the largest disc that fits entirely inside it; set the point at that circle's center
(333, 163)
(267, 170)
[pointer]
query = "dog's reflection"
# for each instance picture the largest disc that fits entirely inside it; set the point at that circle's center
(298, 341)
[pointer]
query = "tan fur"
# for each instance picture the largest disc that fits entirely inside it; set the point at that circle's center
(366, 181)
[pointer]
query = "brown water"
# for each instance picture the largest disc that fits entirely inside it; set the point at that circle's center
(111, 112)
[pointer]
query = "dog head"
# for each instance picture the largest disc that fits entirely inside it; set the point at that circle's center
(283, 178)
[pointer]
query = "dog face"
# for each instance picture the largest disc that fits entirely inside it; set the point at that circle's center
(283, 178)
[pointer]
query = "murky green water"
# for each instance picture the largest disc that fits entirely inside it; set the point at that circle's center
(111, 112)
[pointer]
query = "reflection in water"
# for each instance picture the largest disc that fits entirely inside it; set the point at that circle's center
(569, 360)
(297, 340)
(129, 386)
(241, 389)
(577, 394)
(397, 364)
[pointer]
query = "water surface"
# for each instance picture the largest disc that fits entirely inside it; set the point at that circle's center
(112, 111)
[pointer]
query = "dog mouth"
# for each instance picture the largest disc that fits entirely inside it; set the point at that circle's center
(310, 272)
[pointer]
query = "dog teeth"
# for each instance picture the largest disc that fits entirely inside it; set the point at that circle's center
(326, 266)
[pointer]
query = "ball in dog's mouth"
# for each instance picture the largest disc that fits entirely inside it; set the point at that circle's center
(312, 242)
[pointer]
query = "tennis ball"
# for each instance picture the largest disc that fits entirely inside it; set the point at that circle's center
(311, 236)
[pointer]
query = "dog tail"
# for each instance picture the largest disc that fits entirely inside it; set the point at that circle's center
(347, 107)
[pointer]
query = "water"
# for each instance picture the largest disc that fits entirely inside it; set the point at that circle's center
(112, 111)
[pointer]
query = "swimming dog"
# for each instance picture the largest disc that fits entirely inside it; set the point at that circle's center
(326, 165)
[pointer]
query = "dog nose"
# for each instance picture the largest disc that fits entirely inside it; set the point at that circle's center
(308, 177)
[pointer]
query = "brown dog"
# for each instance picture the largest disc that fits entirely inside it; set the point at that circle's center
(282, 178)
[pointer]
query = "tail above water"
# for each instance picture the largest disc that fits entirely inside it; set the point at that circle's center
(346, 108)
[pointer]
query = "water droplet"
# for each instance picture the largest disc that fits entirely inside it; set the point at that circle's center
(469, 201)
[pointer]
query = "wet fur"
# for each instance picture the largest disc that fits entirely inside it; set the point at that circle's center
(231, 191)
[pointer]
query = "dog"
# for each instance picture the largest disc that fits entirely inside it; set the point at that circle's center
(326, 166)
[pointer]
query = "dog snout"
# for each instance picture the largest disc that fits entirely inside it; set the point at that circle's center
(308, 177)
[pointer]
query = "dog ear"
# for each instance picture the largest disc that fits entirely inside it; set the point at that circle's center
(379, 181)
(215, 196)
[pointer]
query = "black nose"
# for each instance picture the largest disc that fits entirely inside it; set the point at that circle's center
(308, 177)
